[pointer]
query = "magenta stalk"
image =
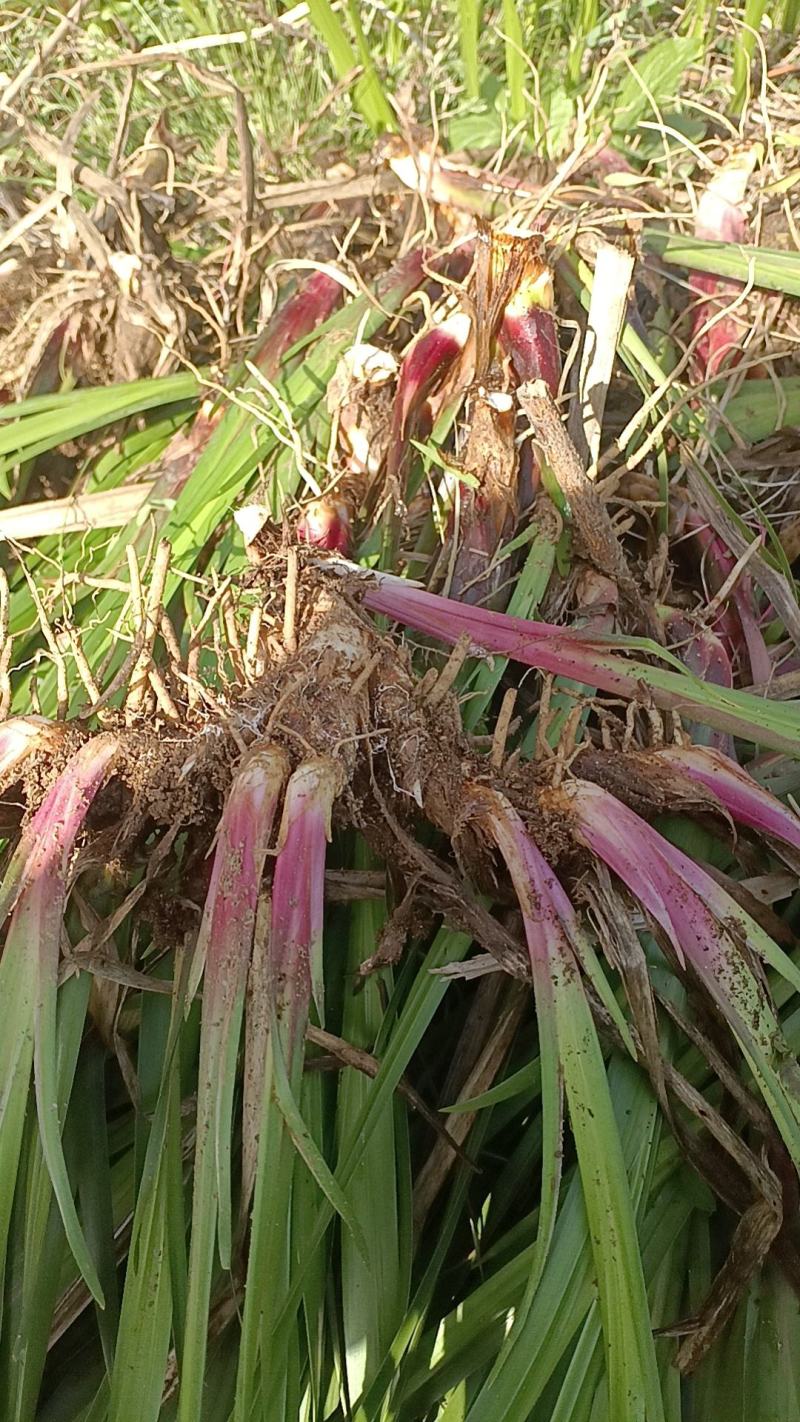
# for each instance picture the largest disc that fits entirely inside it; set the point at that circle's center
(222, 956)
(590, 660)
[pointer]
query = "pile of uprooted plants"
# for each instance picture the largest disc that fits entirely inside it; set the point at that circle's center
(182, 823)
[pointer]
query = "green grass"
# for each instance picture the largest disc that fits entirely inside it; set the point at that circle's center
(488, 66)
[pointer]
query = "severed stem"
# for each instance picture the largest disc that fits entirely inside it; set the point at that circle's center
(590, 517)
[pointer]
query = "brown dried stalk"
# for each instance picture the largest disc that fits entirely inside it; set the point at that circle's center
(152, 616)
(591, 519)
(343, 1053)
(482, 1075)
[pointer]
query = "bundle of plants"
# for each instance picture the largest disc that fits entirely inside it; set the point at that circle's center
(174, 880)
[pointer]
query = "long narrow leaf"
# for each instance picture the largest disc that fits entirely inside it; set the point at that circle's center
(35, 885)
(777, 271)
(140, 1363)
(671, 888)
(634, 1390)
(294, 971)
(223, 951)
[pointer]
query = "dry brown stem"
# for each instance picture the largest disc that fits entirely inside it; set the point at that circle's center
(591, 519)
